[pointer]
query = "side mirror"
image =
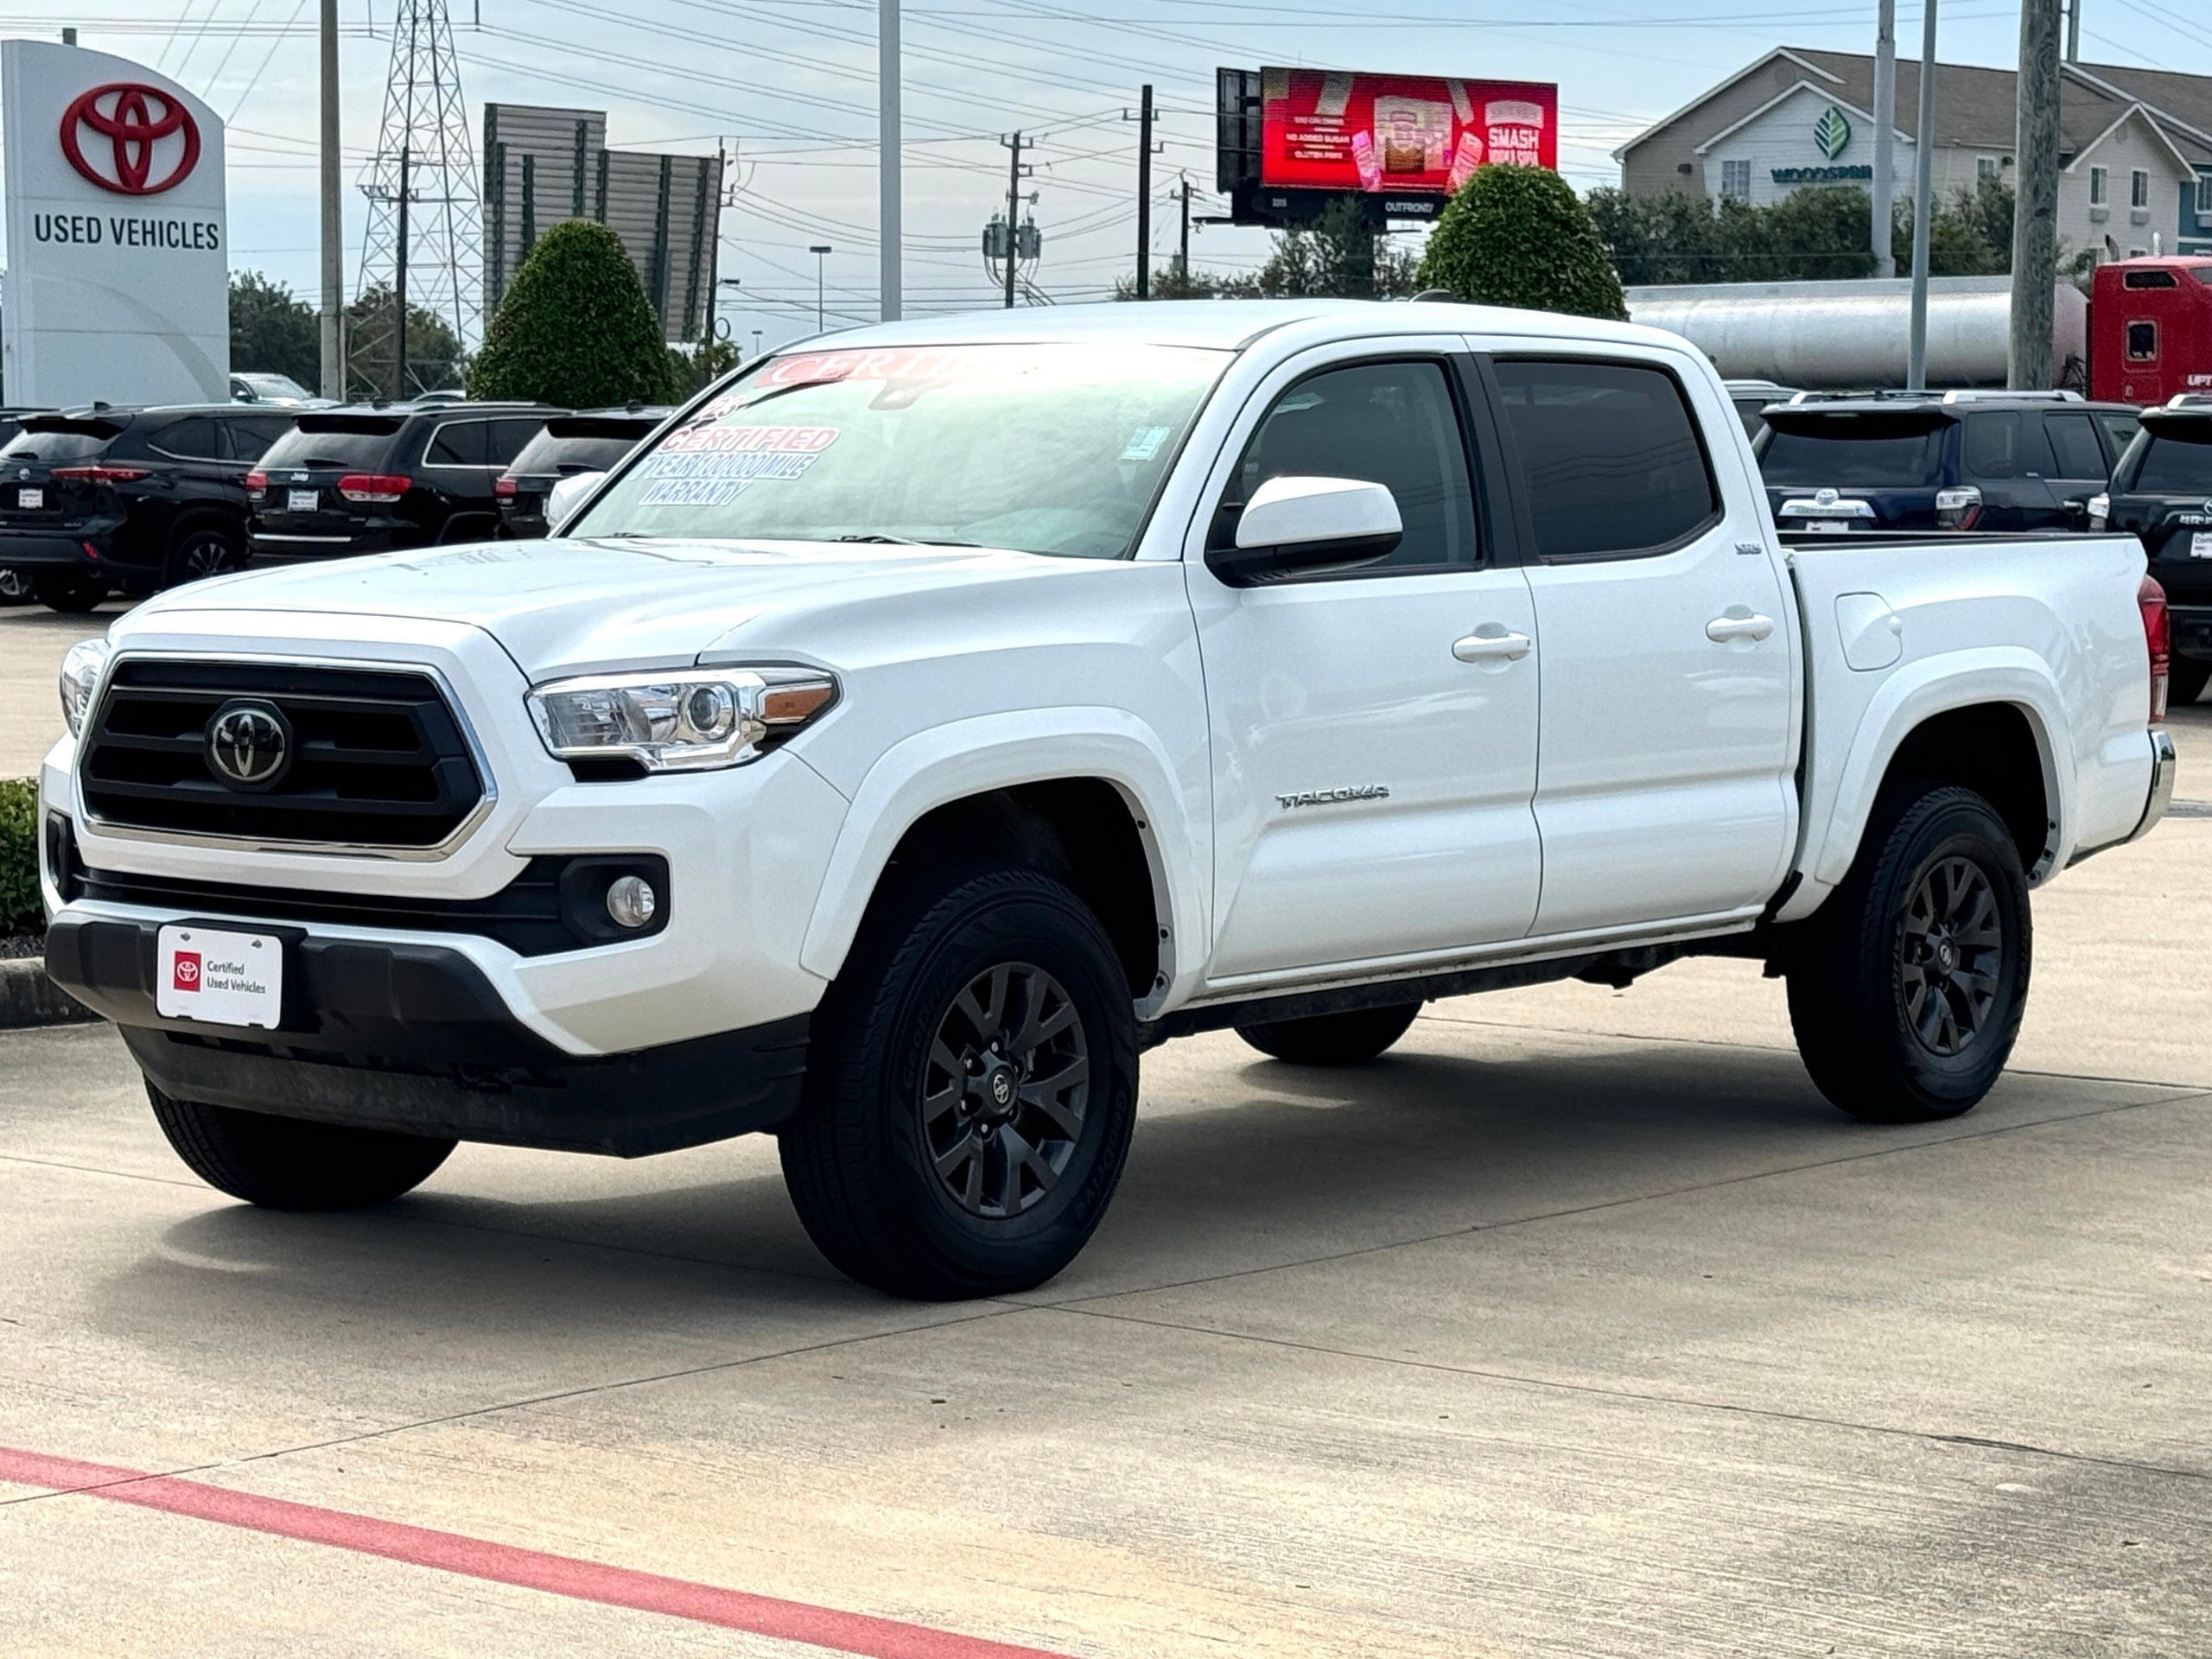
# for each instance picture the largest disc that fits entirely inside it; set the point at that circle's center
(1293, 526)
(565, 496)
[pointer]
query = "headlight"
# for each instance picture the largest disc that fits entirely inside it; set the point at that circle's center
(2100, 511)
(686, 720)
(80, 675)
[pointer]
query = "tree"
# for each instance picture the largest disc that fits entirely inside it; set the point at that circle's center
(576, 329)
(273, 330)
(433, 352)
(1340, 256)
(1519, 236)
(696, 369)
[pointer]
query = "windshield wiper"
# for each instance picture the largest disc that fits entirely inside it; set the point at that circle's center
(879, 539)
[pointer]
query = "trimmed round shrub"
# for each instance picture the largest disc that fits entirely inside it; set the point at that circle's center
(19, 902)
(576, 329)
(1520, 235)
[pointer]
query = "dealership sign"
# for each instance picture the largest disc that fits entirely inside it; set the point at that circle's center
(1406, 137)
(118, 283)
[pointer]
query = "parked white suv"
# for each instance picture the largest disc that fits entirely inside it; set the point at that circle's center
(934, 717)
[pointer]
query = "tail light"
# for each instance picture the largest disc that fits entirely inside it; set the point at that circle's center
(1957, 509)
(100, 475)
(503, 485)
(374, 486)
(2157, 642)
(257, 484)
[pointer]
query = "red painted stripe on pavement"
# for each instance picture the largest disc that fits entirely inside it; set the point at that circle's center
(530, 1569)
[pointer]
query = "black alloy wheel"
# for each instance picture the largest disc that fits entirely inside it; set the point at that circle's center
(1004, 1089)
(202, 552)
(1949, 957)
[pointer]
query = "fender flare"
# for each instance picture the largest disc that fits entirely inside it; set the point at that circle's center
(973, 757)
(2009, 675)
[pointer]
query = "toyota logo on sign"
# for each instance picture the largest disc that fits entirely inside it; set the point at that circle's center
(123, 125)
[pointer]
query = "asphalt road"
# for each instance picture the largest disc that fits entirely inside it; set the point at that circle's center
(1578, 1325)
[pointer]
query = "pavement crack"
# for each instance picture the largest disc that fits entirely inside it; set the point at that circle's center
(1640, 1396)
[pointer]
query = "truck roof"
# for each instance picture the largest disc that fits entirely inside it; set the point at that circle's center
(1231, 325)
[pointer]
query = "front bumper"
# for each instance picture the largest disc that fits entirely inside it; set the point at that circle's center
(415, 1038)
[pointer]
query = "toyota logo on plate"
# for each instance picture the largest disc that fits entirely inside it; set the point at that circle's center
(248, 744)
(121, 124)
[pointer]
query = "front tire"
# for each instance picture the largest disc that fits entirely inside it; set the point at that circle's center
(1907, 986)
(1352, 1038)
(972, 1089)
(283, 1163)
(71, 596)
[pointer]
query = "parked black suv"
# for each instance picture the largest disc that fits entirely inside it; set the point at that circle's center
(1988, 461)
(375, 480)
(589, 440)
(2162, 491)
(96, 499)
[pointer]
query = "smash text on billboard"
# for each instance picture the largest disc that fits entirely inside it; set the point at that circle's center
(1335, 129)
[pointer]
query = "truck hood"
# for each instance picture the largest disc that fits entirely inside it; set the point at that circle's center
(578, 606)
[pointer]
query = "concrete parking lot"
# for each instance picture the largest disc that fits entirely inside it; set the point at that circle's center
(1579, 1325)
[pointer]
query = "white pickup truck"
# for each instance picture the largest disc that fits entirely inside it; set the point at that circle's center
(932, 717)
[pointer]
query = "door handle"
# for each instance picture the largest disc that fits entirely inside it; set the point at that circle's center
(1738, 624)
(1491, 643)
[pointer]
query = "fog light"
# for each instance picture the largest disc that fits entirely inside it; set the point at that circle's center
(631, 900)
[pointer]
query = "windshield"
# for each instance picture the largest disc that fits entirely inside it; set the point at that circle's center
(2170, 465)
(1054, 449)
(277, 385)
(1855, 452)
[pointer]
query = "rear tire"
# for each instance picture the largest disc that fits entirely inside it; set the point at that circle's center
(71, 596)
(1351, 1038)
(926, 1161)
(1907, 986)
(2186, 678)
(203, 550)
(283, 1163)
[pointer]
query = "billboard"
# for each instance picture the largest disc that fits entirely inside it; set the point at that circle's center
(543, 165)
(118, 281)
(1397, 135)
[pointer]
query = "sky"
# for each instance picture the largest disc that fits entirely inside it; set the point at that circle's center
(788, 85)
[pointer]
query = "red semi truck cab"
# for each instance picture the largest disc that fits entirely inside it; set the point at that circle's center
(2151, 330)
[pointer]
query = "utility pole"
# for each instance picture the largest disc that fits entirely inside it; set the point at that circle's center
(1183, 246)
(2073, 31)
(1885, 126)
(334, 220)
(888, 213)
(820, 251)
(1013, 213)
(399, 295)
(1924, 192)
(2035, 213)
(1144, 193)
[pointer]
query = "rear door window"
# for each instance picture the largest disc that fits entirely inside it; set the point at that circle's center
(459, 443)
(1611, 461)
(1997, 445)
(192, 440)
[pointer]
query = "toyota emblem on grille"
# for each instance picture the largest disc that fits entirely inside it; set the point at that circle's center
(248, 744)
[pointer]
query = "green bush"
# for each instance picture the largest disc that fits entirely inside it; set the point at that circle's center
(1519, 236)
(19, 904)
(576, 329)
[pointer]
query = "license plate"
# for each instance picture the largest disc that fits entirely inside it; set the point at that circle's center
(2200, 545)
(30, 498)
(300, 501)
(220, 977)
(1829, 526)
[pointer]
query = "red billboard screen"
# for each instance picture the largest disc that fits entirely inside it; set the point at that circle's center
(1334, 130)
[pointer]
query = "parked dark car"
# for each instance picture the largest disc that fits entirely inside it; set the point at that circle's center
(95, 500)
(2162, 490)
(1994, 460)
(378, 479)
(589, 440)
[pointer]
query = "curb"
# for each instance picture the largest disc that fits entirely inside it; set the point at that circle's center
(28, 998)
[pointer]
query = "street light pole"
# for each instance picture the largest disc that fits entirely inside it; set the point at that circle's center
(819, 251)
(888, 228)
(333, 222)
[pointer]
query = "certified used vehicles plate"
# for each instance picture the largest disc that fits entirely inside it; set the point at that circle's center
(1829, 526)
(30, 498)
(2200, 545)
(300, 501)
(218, 976)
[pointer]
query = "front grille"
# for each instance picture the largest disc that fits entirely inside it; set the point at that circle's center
(376, 758)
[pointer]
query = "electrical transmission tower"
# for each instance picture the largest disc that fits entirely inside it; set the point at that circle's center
(425, 248)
